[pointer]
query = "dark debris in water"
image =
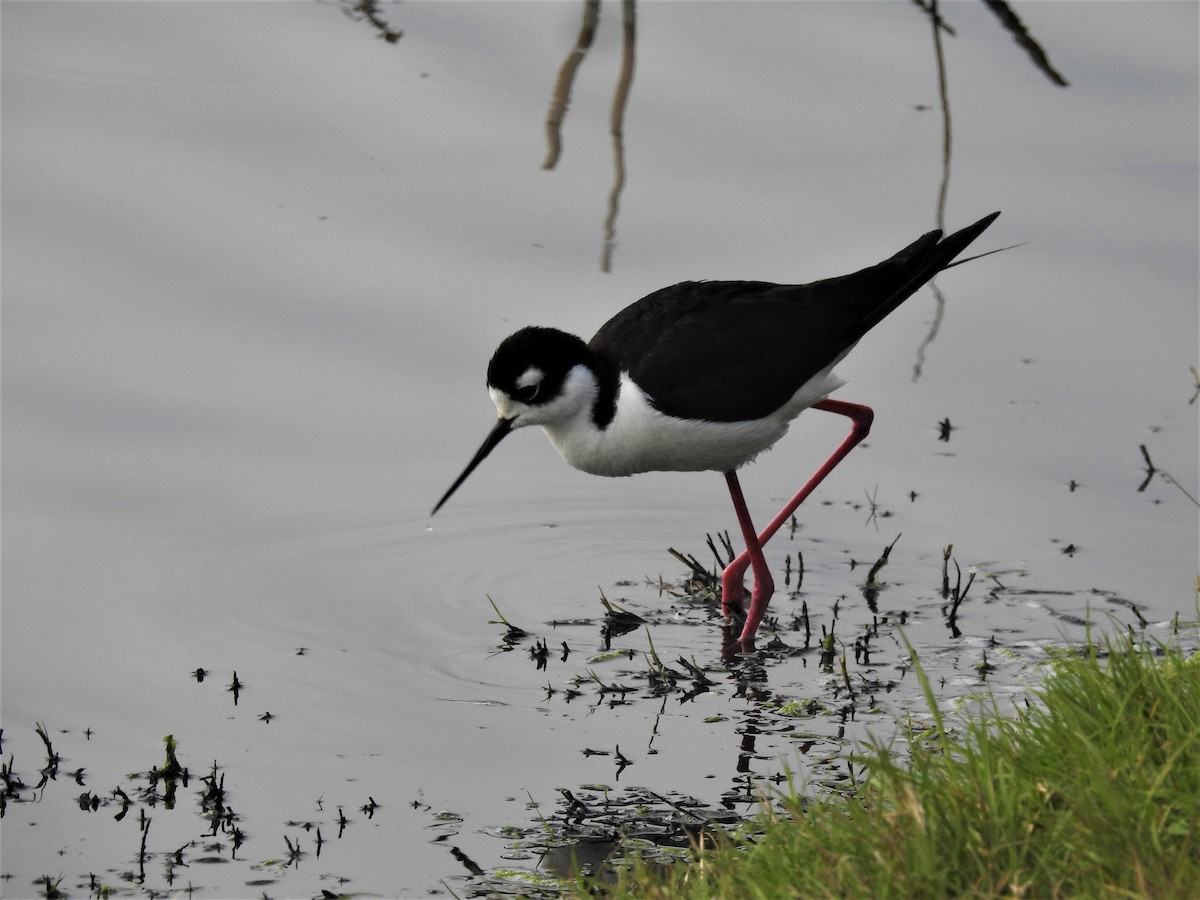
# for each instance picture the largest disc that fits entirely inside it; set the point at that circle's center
(617, 621)
(829, 668)
(145, 800)
(858, 656)
(593, 830)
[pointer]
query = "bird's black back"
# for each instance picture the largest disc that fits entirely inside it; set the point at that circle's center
(747, 346)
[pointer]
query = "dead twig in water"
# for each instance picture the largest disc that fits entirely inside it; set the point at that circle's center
(726, 544)
(946, 570)
(691, 562)
(514, 632)
(958, 595)
(1169, 477)
(1150, 470)
(881, 562)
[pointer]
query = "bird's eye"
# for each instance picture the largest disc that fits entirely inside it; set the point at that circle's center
(528, 386)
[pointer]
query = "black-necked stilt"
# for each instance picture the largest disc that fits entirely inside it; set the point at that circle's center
(706, 375)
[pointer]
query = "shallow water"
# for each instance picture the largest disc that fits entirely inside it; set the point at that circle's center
(255, 261)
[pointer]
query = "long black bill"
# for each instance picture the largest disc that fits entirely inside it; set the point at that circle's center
(503, 427)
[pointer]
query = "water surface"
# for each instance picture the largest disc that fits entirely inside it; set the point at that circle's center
(255, 260)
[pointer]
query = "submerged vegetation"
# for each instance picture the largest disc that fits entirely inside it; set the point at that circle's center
(1091, 789)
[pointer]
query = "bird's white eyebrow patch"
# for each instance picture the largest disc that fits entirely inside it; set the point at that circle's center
(531, 377)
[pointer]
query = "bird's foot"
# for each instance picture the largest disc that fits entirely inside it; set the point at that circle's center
(733, 648)
(764, 588)
(733, 591)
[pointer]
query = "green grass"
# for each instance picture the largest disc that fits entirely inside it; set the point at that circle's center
(1092, 790)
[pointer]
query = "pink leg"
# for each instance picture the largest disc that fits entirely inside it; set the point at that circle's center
(731, 579)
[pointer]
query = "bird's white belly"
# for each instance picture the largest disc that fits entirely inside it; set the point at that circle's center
(642, 439)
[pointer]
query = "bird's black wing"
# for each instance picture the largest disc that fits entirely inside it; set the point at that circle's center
(729, 351)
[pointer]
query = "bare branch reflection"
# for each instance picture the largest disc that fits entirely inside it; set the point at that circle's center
(368, 11)
(939, 309)
(1022, 36)
(566, 78)
(617, 127)
(562, 96)
(944, 97)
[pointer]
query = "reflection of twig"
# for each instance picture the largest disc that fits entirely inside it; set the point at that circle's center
(939, 310)
(617, 126)
(369, 10)
(940, 22)
(1022, 36)
(944, 189)
(944, 94)
(562, 97)
(566, 78)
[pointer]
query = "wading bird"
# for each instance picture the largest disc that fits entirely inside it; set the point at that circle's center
(705, 376)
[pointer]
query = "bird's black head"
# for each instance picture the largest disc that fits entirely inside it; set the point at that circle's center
(531, 365)
(527, 375)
